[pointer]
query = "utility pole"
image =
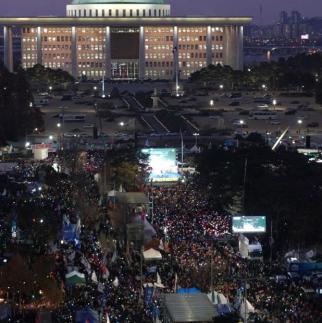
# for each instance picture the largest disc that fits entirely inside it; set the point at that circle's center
(63, 129)
(244, 183)
(181, 147)
(271, 245)
(245, 298)
(212, 274)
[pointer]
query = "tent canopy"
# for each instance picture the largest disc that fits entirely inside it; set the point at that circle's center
(152, 254)
(192, 290)
(245, 308)
(218, 298)
(189, 308)
(112, 193)
(75, 278)
(87, 315)
(132, 198)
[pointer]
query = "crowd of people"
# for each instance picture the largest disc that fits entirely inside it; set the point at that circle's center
(193, 238)
(200, 239)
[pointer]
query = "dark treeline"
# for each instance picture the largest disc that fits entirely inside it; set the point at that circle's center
(17, 116)
(282, 185)
(301, 73)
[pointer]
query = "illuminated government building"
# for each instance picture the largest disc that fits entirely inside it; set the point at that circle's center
(126, 40)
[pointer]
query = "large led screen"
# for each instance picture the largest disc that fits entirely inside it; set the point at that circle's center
(162, 164)
(248, 224)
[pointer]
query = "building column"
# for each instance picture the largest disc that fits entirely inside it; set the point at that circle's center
(209, 46)
(230, 46)
(39, 46)
(7, 46)
(108, 56)
(175, 54)
(141, 55)
(74, 53)
(226, 45)
(240, 48)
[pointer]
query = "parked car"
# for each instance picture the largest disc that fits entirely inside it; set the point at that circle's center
(313, 124)
(275, 122)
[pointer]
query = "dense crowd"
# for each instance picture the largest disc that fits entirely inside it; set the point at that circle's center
(192, 237)
(198, 234)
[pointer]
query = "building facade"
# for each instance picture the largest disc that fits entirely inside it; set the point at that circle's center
(126, 40)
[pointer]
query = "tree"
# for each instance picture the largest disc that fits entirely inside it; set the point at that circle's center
(17, 118)
(282, 185)
(318, 92)
(16, 277)
(126, 167)
(47, 76)
(298, 73)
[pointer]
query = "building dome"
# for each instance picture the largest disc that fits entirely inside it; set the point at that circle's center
(118, 8)
(118, 1)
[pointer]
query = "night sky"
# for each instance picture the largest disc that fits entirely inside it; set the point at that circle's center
(271, 8)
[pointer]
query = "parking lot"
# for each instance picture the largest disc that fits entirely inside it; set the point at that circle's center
(210, 112)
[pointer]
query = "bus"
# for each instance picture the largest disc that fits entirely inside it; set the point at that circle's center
(262, 115)
(67, 117)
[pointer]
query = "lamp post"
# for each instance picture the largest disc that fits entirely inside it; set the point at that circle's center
(300, 122)
(274, 103)
(123, 124)
(103, 87)
(211, 103)
(59, 134)
(196, 137)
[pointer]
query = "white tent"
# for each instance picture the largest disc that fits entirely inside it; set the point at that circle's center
(243, 246)
(74, 273)
(152, 254)
(219, 298)
(195, 149)
(159, 282)
(245, 308)
(112, 193)
(94, 277)
(116, 282)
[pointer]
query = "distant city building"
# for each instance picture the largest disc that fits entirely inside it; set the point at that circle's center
(283, 18)
(126, 40)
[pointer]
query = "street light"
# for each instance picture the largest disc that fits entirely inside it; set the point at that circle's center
(221, 86)
(95, 88)
(241, 122)
(211, 103)
(177, 90)
(58, 125)
(27, 144)
(264, 86)
(299, 122)
(274, 103)
(50, 88)
(50, 137)
(122, 124)
(196, 134)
